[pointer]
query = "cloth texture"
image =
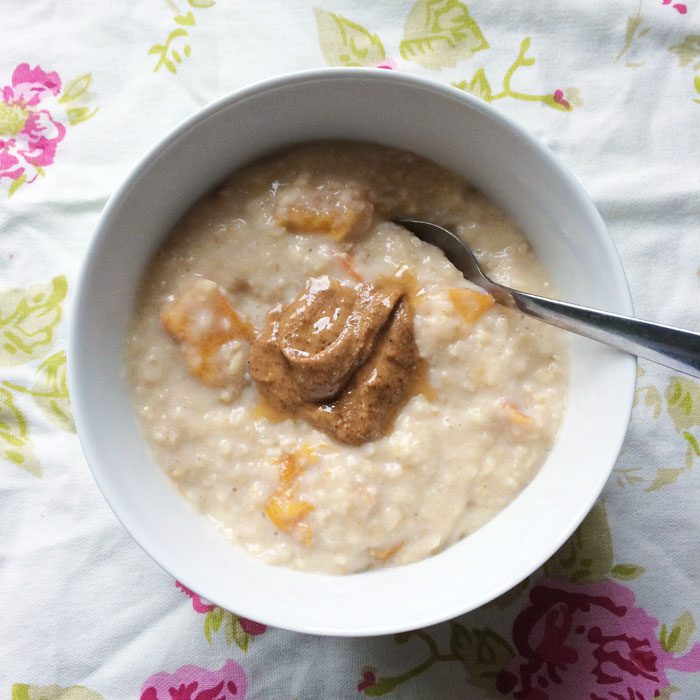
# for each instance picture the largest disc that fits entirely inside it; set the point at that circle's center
(613, 88)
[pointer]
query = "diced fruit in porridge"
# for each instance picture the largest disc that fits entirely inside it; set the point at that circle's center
(386, 553)
(285, 512)
(339, 210)
(470, 304)
(210, 332)
(283, 508)
(516, 416)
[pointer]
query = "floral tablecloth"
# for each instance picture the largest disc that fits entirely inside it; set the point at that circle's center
(612, 87)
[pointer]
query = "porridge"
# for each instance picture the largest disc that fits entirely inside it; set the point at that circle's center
(326, 387)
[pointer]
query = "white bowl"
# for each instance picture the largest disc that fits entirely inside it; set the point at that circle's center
(445, 125)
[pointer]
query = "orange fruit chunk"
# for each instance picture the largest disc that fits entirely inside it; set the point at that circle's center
(516, 416)
(285, 512)
(205, 323)
(470, 304)
(283, 508)
(340, 213)
(384, 554)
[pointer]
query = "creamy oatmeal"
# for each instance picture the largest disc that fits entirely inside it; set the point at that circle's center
(327, 388)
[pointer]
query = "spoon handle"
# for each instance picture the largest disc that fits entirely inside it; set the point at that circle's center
(671, 347)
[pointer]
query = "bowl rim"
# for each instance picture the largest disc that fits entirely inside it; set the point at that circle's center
(627, 371)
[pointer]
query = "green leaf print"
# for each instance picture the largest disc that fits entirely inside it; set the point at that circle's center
(169, 56)
(627, 572)
(14, 436)
(383, 686)
(652, 398)
(28, 320)
(683, 402)
(562, 100)
(75, 88)
(687, 51)
(212, 623)
(240, 636)
(694, 447)
(16, 184)
(346, 43)
(76, 94)
(478, 86)
(162, 50)
(633, 24)
(50, 391)
(184, 20)
(678, 639)
(439, 33)
(217, 618)
(665, 476)
(235, 632)
(482, 652)
(587, 555)
(77, 115)
(21, 691)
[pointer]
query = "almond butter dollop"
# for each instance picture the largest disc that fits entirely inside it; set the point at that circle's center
(342, 359)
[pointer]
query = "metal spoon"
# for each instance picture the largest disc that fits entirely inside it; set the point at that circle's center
(672, 347)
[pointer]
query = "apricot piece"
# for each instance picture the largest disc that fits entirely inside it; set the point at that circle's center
(209, 330)
(386, 553)
(285, 511)
(470, 304)
(338, 211)
(516, 416)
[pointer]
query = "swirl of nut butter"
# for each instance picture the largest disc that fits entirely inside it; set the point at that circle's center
(344, 359)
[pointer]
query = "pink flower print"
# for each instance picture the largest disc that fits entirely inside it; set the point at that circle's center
(251, 627)
(588, 640)
(201, 605)
(197, 683)
(198, 603)
(368, 679)
(560, 99)
(9, 163)
(387, 64)
(30, 85)
(28, 137)
(679, 6)
(39, 138)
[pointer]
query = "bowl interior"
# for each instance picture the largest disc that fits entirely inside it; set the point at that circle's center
(453, 129)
